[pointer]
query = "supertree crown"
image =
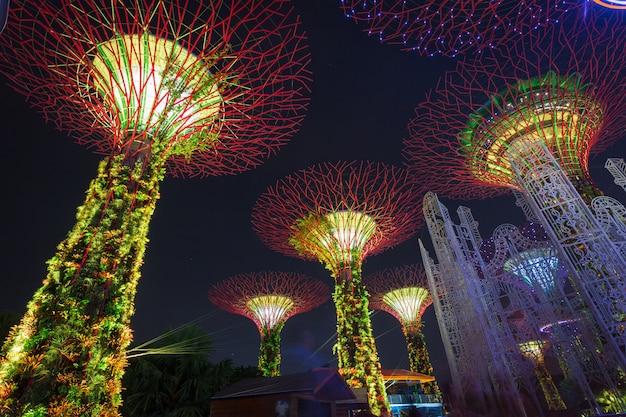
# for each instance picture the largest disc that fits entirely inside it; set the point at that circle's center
(219, 86)
(451, 27)
(269, 298)
(401, 291)
(338, 213)
(563, 85)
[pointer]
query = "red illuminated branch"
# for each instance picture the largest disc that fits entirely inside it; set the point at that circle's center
(402, 292)
(300, 215)
(563, 86)
(453, 27)
(293, 294)
(269, 299)
(243, 61)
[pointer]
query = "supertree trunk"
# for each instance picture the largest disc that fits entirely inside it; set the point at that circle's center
(551, 393)
(79, 318)
(269, 352)
(356, 349)
(419, 360)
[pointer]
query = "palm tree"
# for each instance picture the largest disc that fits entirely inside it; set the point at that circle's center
(175, 378)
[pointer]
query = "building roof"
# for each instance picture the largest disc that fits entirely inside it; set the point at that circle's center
(396, 375)
(324, 384)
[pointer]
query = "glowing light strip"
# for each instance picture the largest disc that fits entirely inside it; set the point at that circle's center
(615, 4)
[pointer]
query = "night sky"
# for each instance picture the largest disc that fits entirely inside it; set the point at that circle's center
(363, 96)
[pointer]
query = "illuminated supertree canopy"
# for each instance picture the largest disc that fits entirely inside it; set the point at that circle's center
(563, 86)
(534, 260)
(269, 299)
(450, 27)
(180, 87)
(403, 292)
(338, 214)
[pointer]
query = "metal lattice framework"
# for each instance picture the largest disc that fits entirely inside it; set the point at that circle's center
(157, 86)
(535, 280)
(451, 27)
(269, 299)
(338, 214)
(617, 168)
(486, 372)
(563, 85)
(403, 292)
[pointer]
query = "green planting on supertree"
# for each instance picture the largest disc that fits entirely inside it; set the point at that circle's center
(269, 299)
(403, 292)
(180, 88)
(338, 214)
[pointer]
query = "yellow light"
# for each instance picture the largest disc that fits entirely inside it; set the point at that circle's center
(407, 302)
(154, 84)
(270, 309)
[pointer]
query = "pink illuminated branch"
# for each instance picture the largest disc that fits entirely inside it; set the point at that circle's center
(402, 292)
(269, 298)
(112, 73)
(450, 27)
(564, 84)
(336, 212)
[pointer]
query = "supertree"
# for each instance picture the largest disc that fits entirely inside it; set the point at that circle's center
(563, 86)
(527, 119)
(269, 299)
(451, 27)
(189, 88)
(339, 214)
(403, 292)
(534, 350)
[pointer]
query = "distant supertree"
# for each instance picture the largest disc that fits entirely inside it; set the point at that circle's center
(403, 292)
(338, 214)
(563, 87)
(187, 87)
(269, 299)
(527, 119)
(534, 350)
(451, 27)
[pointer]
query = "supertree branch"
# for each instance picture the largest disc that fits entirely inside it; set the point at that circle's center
(534, 350)
(451, 27)
(223, 85)
(148, 83)
(403, 293)
(269, 299)
(338, 214)
(564, 87)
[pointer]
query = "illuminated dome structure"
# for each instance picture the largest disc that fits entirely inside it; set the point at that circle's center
(403, 293)
(338, 214)
(158, 87)
(269, 299)
(534, 350)
(451, 27)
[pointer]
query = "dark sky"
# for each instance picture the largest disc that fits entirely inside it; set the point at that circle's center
(363, 96)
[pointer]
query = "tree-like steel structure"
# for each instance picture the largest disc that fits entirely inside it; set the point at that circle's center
(528, 119)
(561, 86)
(403, 292)
(339, 214)
(269, 299)
(189, 88)
(451, 27)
